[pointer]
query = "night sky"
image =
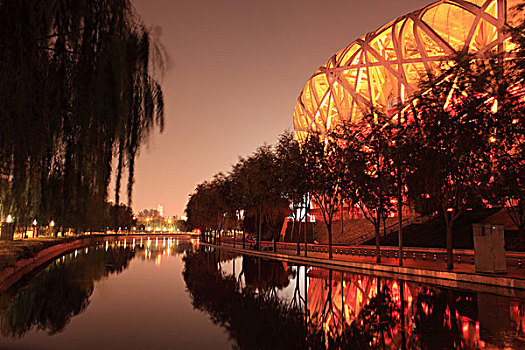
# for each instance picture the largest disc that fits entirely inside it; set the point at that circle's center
(237, 68)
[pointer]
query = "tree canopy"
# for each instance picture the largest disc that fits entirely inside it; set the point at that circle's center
(79, 92)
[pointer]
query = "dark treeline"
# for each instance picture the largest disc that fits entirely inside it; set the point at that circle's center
(255, 196)
(459, 145)
(79, 93)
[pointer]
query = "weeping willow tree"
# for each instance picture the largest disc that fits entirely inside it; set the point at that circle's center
(79, 93)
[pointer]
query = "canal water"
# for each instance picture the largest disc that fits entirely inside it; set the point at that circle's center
(166, 293)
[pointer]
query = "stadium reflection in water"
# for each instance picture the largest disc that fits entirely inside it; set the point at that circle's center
(256, 303)
(343, 309)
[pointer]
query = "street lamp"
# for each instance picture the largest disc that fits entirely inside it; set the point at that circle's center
(52, 226)
(35, 234)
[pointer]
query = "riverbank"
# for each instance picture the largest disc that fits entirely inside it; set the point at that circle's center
(431, 271)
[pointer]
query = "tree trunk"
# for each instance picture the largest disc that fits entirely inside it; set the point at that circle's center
(329, 227)
(384, 227)
(291, 231)
(305, 230)
(297, 237)
(305, 226)
(521, 230)
(450, 252)
(342, 220)
(378, 240)
(400, 220)
(260, 227)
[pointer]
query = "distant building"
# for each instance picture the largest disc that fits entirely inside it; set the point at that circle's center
(160, 209)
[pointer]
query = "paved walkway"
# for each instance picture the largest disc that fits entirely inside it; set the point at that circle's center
(415, 268)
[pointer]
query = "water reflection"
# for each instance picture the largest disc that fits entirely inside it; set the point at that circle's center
(59, 292)
(254, 317)
(348, 310)
(266, 304)
(48, 299)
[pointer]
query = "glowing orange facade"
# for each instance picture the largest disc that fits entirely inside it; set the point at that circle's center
(383, 68)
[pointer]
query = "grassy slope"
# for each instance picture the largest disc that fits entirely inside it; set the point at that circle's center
(433, 233)
(12, 251)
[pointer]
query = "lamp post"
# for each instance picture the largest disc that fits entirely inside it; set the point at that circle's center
(35, 233)
(52, 227)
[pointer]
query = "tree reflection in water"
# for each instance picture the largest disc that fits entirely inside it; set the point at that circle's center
(59, 292)
(344, 310)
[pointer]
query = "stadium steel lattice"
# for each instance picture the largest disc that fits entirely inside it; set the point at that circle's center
(383, 68)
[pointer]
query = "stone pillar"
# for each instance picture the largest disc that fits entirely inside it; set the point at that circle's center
(489, 248)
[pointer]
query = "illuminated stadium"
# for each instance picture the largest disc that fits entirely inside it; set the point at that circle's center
(382, 69)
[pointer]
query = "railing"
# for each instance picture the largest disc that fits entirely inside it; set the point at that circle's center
(460, 256)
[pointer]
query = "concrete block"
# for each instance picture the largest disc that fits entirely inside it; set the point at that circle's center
(489, 248)
(7, 231)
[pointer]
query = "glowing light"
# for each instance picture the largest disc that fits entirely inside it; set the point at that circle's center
(465, 329)
(492, 139)
(34, 222)
(494, 108)
(9, 219)
(52, 224)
